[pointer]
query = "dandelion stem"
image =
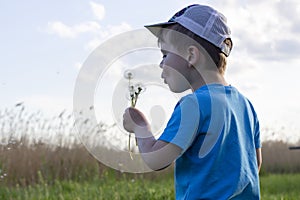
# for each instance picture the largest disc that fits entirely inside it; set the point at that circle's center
(134, 92)
(130, 152)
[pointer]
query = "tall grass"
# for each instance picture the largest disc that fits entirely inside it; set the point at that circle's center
(37, 149)
(25, 165)
(34, 148)
(278, 158)
(18, 125)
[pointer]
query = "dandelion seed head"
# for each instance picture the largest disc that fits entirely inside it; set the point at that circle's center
(128, 74)
(140, 87)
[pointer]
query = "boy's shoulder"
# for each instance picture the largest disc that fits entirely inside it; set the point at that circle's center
(200, 95)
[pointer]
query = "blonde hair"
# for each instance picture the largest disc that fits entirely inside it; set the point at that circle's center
(217, 56)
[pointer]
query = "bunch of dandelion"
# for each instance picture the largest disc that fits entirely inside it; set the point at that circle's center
(134, 91)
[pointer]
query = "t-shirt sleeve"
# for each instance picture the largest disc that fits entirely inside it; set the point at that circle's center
(257, 135)
(183, 124)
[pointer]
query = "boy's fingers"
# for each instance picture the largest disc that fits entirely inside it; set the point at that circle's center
(137, 117)
(129, 121)
(134, 117)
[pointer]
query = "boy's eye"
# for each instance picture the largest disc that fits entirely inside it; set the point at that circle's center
(164, 56)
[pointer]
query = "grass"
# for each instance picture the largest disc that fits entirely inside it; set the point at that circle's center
(110, 186)
(31, 167)
(280, 186)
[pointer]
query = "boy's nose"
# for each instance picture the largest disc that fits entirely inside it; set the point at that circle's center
(161, 65)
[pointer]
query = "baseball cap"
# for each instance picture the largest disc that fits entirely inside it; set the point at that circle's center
(202, 20)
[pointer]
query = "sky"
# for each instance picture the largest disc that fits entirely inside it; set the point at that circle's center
(44, 44)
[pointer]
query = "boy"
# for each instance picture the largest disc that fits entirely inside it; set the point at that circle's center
(213, 133)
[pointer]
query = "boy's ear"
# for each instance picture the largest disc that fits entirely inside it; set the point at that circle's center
(194, 55)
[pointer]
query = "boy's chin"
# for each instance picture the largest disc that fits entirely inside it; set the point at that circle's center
(177, 90)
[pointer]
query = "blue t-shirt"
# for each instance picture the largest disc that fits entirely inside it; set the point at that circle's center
(218, 130)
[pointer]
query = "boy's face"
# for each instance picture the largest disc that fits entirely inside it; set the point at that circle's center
(175, 68)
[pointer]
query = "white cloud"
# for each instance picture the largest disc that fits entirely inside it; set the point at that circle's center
(266, 29)
(65, 31)
(98, 10)
(244, 72)
(112, 30)
(119, 28)
(89, 26)
(61, 29)
(105, 33)
(99, 33)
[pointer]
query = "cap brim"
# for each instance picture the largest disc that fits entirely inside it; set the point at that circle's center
(155, 28)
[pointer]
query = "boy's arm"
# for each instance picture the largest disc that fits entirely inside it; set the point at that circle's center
(157, 154)
(259, 158)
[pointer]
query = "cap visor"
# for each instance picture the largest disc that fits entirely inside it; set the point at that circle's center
(155, 28)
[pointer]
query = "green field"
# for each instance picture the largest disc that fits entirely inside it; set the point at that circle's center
(63, 169)
(281, 187)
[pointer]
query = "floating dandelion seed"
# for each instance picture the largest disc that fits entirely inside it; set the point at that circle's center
(19, 104)
(61, 114)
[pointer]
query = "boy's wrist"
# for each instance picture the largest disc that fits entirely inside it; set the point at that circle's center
(142, 131)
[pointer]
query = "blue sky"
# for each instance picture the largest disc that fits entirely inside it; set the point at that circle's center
(45, 43)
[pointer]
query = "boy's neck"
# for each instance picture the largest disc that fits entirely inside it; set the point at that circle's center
(207, 77)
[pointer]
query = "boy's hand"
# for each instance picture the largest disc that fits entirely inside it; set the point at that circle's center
(133, 119)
